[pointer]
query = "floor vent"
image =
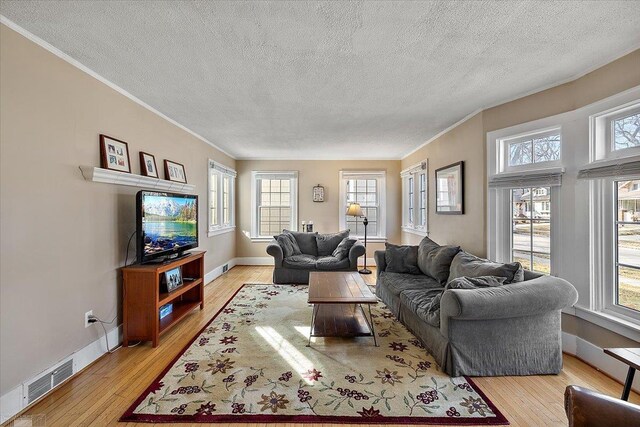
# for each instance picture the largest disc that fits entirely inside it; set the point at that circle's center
(48, 381)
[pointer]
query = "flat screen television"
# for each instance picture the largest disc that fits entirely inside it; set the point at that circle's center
(166, 225)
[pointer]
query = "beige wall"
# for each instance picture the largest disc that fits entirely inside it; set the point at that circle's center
(63, 238)
(324, 215)
(464, 142)
(467, 142)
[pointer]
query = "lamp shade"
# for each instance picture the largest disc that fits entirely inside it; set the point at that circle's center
(354, 209)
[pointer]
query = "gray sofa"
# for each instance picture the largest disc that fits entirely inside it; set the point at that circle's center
(509, 329)
(318, 253)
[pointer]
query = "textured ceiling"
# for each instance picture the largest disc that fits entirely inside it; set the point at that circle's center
(330, 80)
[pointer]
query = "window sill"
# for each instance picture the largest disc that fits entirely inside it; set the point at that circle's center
(374, 239)
(220, 231)
(263, 239)
(416, 231)
(608, 321)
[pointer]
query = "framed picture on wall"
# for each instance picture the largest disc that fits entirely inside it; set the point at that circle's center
(148, 165)
(114, 154)
(450, 189)
(174, 172)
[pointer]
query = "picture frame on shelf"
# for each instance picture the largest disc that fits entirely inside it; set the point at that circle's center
(450, 189)
(173, 279)
(174, 171)
(148, 165)
(114, 154)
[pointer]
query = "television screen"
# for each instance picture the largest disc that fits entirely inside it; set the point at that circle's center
(167, 223)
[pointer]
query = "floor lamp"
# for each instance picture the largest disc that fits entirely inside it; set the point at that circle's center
(354, 209)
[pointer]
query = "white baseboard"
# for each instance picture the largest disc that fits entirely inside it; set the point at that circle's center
(594, 355)
(14, 401)
(254, 260)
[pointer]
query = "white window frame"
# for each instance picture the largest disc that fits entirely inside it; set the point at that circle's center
(381, 177)
(414, 174)
(601, 133)
(221, 172)
(292, 176)
(505, 143)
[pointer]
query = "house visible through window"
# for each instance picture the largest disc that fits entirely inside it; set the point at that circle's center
(221, 198)
(274, 203)
(367, 189)
(531, 228)
(627, 238)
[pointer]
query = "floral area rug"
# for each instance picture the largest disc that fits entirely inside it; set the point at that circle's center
(251, 364)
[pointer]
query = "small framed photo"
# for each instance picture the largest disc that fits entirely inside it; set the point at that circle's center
(148, 165)
(174, 172)
(450, 189)
(114, 154)
(173, 279)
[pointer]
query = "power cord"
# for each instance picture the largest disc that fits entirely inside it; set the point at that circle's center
(95, 319)
(126, 257)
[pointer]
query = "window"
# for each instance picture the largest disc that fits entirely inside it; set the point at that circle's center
(626, 292)
(414, 199)
(626, 132)
(275, 204)
(531, 228)
(367, 189)
(221, 198)
(530, 151)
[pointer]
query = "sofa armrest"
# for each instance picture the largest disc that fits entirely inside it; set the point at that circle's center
(537, 296)
(356, 251)
(381, 261)
(274, 249)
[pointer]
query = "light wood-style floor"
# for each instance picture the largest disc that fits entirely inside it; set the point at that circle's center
(103, 391)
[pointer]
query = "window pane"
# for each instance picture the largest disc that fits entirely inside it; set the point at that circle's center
(629, 288)
(626, 132)
(520, 153)
(531, 228)
(629, 244)
(546, 149)
(523, 258)
(521, 237)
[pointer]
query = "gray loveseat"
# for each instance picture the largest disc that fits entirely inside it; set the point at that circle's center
(314, 252)
(511, 328)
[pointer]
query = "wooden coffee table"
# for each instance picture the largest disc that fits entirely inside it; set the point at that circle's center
(338, 298)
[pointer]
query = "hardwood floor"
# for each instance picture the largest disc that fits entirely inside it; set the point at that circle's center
(103, 391)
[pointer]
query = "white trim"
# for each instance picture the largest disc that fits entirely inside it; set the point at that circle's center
(261, 239)
(411, 230)
(610, 322)
(95, 174)
(595, 356)
(220, 231)
(217, 272)
(60, 54)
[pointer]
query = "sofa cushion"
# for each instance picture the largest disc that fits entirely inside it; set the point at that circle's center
(306, 242)
(342, 251)
(300, 262)
(288, 244)
(398, 282)
(330, 263)
(425, 303)
(476, 282)
(465, 264)
(401, 259)
(435, 260)
(327, 243)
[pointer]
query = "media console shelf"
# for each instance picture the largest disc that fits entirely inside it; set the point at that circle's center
(142, 297)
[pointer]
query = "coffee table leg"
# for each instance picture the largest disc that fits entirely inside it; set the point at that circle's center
(369, 321)
(627, 384)
(314, 313)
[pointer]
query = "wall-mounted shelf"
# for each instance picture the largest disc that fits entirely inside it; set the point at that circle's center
(92, 173)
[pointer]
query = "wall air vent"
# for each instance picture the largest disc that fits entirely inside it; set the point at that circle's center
(45, 383)
(225, 268)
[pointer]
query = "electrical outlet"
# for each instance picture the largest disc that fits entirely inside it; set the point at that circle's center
(86, 318)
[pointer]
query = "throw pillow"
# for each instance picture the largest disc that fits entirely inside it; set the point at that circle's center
(401, 259)
(465, 264)
(476, 282)
(288, 244)
(342, 251)
(306, 242)
(327, 243)
(434, 260)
